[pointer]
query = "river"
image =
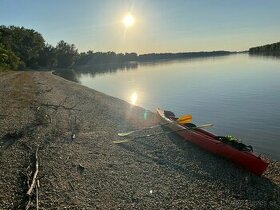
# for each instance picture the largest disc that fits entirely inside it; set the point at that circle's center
(239, 93)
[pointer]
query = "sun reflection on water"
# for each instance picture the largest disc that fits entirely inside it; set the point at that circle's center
(133, 98)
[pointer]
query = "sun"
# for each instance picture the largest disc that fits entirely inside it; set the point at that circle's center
(128, 20)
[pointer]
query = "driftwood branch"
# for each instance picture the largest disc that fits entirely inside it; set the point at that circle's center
(49, 90)
(8, 115)
(28, 185)
(33, 183)
(72, 187)
(63, 102)
(28, 204)
(60, 106)
(37, 195)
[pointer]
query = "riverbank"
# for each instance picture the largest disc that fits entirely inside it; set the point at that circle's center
(80, 167)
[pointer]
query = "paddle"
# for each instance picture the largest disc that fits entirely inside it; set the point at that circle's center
(182, 120)
(160, 133)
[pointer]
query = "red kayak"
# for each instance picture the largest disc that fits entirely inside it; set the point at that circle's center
(236, 152)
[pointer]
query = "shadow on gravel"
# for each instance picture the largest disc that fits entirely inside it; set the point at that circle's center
(197, 164)
(12, 137)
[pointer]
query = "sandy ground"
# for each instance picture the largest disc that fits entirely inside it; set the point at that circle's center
(42, 111)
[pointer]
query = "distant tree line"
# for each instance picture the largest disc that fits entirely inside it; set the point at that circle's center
(158, 56)
(266, 49)
(90, 58)
(22, 48)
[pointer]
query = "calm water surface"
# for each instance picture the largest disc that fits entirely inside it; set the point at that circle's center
(239, 94)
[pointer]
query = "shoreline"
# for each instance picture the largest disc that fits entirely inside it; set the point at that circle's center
(90, 172)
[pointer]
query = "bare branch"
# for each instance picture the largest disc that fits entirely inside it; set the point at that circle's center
(60, 106)
(35, 174)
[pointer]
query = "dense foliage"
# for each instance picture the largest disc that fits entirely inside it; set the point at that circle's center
(21, 48)
(66, 54)
(26, 44)
(47, 56)
(266, 49)
(8, 60)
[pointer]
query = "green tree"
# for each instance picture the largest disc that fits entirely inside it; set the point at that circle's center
(66, 54)
(25, 43)
(47, 57)
(8, 60)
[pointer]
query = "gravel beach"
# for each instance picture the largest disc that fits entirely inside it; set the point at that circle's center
(73, 129)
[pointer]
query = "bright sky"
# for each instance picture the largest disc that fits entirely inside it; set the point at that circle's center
(158, 25)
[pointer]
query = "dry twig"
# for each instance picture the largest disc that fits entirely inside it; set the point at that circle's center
(72, 187)
(37, 194)
(60, 106)
(35, 174)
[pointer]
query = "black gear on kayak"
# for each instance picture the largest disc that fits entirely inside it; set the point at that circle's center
(190, 125)
(238, 145)
(250, 148)
(169, 114)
